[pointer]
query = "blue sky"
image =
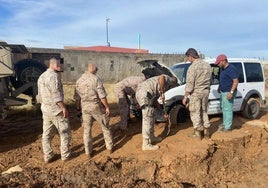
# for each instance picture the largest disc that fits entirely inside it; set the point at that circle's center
(238, 28)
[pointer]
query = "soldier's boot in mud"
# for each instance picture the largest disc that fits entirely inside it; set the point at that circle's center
(206, 133)
(146, 145)
(110, 151)
(154, 139)
(196, 134)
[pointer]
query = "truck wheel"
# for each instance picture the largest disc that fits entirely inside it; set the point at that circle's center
(3, 112)
(27, 70)
(178, 114)
(251, 109)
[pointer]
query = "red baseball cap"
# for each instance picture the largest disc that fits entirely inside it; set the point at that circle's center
(221, 57)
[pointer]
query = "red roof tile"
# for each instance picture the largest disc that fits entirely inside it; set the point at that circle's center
(111, 49)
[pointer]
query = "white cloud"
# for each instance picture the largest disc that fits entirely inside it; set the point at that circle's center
(235, 27)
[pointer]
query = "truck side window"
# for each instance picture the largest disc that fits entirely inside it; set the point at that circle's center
(239, 68)
(253, 72)
(215, 76)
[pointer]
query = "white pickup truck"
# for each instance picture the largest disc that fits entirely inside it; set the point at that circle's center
(250, 92)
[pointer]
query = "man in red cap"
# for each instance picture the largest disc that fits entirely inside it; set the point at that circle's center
(227, 89)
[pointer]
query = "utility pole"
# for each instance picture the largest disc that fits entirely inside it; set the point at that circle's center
(107, 32)
(139, 41)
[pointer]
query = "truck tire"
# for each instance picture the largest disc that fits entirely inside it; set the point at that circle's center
(27, 70)
(252, 109)
(178, 114)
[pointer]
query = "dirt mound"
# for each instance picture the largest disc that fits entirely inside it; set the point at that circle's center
(235, 159)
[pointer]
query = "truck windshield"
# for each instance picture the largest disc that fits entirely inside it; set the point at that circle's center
(181, 70)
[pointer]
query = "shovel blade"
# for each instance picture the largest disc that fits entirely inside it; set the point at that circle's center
(166, 131)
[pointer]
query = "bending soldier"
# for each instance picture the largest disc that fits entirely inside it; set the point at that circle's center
(123, 89)
(147, 94)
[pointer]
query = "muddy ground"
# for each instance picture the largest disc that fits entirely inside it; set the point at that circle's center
(235, 159)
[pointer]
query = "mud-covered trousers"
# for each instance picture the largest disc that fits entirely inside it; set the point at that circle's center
(198, 106)
(52, 125)
(88, 116)
(123, 103)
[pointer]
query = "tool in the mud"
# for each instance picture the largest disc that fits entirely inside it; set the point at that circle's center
(166, 131)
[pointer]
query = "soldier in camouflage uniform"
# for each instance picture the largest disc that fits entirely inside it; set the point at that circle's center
(55, 113)
(147, 94)
(94, 106)
(197, 88)
(123, 89)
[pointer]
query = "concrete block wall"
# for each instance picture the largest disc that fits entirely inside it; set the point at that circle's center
(113, 67)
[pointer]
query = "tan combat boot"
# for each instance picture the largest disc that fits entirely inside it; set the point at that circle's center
(196, 134)
(146, 145)
(206, 133)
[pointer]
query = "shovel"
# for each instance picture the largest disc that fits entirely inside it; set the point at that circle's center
(168, 122)
(167, 127)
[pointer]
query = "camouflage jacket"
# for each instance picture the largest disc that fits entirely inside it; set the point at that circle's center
(150, 89)
(50, 92)
(198, 77)
(90, 89)
(129, 84)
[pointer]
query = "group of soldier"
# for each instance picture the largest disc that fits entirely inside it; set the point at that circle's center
(92, 97)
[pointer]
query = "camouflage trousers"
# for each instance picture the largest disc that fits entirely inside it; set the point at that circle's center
(198, 106)
(52, 125)
(148, 121)
(123, 103)
(88, 119)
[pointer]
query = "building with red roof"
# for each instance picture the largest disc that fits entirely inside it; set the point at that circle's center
(109, 49)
